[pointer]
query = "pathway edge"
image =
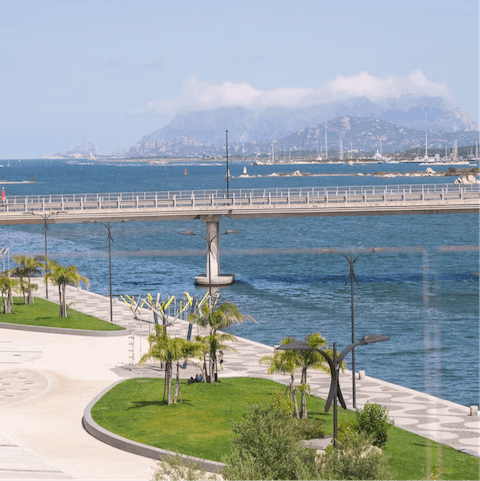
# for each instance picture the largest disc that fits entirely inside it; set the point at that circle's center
(63, 330)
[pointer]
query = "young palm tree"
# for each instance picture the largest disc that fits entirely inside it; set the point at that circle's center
(184, 350)
(47, 266)
(165, 350)
(311, 360)
(285, 361)
(218, 318)
(61, 276)
(27, 267)
(7, 285)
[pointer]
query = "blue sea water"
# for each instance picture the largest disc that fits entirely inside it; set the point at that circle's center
(423, 293)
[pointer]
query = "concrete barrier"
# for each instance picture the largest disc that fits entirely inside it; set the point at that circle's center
(64, 330)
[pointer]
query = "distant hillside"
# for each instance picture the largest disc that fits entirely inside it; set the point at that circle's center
(363, 135)
(85, 150)
(208, 127)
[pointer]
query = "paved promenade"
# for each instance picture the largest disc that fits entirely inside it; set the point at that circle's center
(46, 381)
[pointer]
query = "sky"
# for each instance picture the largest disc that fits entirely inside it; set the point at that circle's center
(111, 71)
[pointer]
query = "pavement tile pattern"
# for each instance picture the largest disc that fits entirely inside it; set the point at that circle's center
(429, 416)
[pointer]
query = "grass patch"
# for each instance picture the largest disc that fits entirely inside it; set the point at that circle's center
(201, 425)
(45, 313)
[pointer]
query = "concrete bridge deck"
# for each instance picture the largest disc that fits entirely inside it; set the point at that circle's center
(241, 203)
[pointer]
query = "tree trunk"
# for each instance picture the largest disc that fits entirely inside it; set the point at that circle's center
(204, 371)
(60, 299)
(303, 406)
(29, 292)
(210, 367)
(178, 393)
(10, 307)
(294, 396)
(168, 368)
(64, 301)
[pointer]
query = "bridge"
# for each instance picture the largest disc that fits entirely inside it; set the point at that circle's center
(211, 205)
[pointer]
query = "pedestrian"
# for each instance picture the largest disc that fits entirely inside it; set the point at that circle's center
(4, 198)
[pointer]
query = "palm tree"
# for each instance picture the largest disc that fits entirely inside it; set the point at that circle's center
(184, 350)
(165, 350)
(313, 360)
(7, 285)
(217, 318)
(47, 266)
(61, 276)
(203, 351)
(27, 266)
(285, 361)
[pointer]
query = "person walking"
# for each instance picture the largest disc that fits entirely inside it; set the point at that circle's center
(4, 197)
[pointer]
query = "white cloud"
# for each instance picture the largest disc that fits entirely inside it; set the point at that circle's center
(198, 95)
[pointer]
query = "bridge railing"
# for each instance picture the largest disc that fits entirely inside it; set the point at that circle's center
(241, 197)
(241, 193)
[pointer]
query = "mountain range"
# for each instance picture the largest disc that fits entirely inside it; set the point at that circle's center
(360, 124)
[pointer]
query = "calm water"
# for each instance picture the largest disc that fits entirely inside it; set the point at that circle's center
(425, 298)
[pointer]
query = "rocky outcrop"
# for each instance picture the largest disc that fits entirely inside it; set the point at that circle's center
(466, 180)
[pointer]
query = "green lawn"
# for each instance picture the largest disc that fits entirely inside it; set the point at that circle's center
(45, 313)
(200, 426)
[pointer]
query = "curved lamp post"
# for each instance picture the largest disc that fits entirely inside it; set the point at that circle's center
(351, 278)
(109, 226)
(335, 363)
(45, 216)
(228, 173)
(209, 252)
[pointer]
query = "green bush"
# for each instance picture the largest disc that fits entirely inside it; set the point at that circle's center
(373, 420)
(354, 458)
(310, 428)
(267, 445)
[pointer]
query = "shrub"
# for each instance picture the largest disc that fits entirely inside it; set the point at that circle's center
(354, 458)
(267, 445)
(281, 402)
(310, 429)
(373, 420)
(173, 467)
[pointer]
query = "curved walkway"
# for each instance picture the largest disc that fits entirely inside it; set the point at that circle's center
(47, 380)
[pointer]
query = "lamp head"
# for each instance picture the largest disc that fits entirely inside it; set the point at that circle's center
(372, 338)
(294, 346)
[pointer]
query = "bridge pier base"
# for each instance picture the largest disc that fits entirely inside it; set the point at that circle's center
(213, 255)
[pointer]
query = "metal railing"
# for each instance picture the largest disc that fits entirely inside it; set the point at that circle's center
(441, 193)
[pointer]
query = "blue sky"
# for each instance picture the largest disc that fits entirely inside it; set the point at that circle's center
(111, 71)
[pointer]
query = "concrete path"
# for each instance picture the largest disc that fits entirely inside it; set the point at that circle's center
(46, 381)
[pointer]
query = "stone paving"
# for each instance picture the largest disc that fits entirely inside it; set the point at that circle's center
(429, 416)
(432, 417)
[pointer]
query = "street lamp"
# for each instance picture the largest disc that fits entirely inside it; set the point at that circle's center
(351, 278)
(209, 252)
(335, 363)
(109, 226)
(228, 173)
(45, 216)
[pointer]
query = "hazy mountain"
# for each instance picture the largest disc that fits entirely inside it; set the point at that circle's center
(208, 127)
(347, 132)
(83, 151)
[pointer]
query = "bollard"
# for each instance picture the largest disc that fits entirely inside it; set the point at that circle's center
(473, 410)
(361, 374)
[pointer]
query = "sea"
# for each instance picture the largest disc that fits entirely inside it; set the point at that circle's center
(421, 289)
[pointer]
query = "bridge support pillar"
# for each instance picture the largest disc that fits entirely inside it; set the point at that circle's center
(213, 255)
